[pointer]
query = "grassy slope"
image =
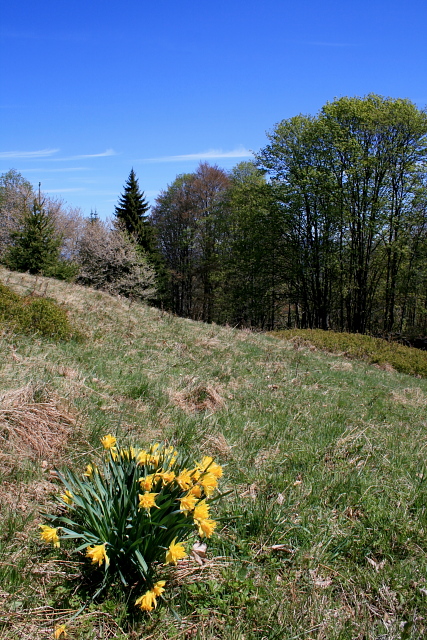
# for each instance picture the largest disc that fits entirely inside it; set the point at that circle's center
(326, 529)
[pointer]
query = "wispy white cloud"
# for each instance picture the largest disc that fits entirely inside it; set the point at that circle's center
(104, 154)
(86, 156)
(211, 154)
(42, 153)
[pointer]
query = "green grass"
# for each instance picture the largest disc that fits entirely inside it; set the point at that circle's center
(354, 345)
(323, 535)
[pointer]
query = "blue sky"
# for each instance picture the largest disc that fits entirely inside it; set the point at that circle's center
(90, 89)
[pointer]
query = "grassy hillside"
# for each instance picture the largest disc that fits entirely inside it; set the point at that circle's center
(323, 535)
(390, 355)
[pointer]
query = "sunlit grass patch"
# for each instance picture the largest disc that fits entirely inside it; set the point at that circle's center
(377, 351)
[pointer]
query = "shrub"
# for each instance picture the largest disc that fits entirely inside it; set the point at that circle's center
(133, 512)
(48, 319)
(34, 315)
(110, 260)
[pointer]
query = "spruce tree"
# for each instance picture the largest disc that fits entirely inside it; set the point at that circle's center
(132, 214)
(36, 245)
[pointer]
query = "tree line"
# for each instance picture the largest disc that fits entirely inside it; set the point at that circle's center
(326, 228)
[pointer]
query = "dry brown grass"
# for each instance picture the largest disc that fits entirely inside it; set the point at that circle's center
(216, 444)
(32, 429)
(197, 397)
(24, 497)
(40, 623)
(410, 397)
(341, 366)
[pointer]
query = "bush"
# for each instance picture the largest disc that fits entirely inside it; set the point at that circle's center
(111, 260)
(34, 315)
(133, 511)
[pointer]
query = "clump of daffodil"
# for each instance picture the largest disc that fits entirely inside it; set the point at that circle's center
(131, 510)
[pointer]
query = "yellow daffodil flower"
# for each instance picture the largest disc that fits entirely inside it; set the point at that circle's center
(207, 464)
(171, 451)
(147, 500)
(60, 632)
(175, 552)
(158, 588)
(201, 511)
(167, 477)
(67, 497)
(108, 441)
(209, 483)
(142, 457)
(196, 491)
(184, 479)
(155, 454)
(89, 471)
(206, 527)
(127, 454)
(195, 475)
(188, 503)
(49, 535)
(98, 554)
(147, 601)
(147, 482)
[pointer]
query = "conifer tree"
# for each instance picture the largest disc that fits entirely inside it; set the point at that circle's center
(131, 213)
(36, 245)
(132, 216)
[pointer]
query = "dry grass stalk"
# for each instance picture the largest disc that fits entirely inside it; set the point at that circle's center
(411, 397)
(216, 444)
(33, 429)
(341, 366)
(40, 623)
(189, 570)
(196, 398)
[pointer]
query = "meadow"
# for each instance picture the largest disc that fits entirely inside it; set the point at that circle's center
(322, 535)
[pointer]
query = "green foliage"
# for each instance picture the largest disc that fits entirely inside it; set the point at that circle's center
(136, 508)
(132, 214)
(35, 246)
(354, 345)
(64, 270)
(354, 183)
(34, 315)
(254, 253)
(16, 193)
